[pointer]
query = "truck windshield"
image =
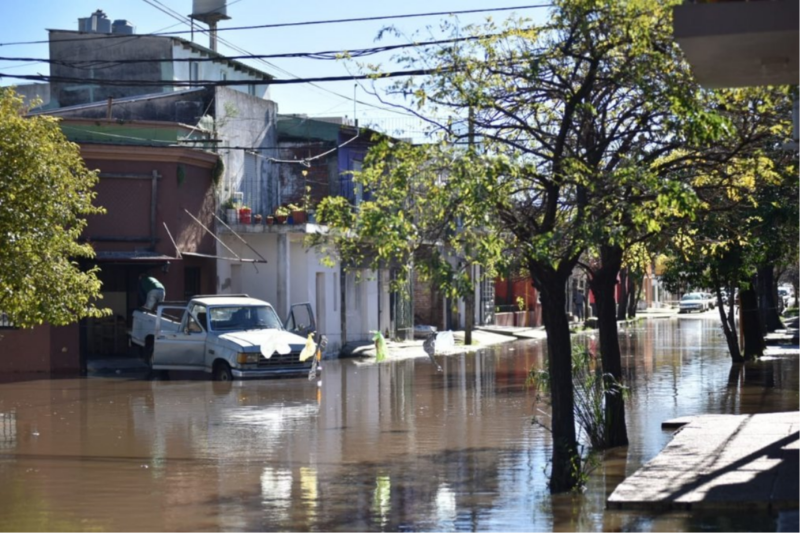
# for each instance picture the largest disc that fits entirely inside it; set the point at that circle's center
(237, 318)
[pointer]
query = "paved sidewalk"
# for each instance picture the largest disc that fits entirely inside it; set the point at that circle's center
(411, 349)
(719, 462)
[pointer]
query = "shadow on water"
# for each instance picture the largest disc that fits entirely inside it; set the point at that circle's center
(395, 446)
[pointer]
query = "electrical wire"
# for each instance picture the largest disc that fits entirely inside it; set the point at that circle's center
(180, 17)
(220, 83)
(322, 55)
(303, 23)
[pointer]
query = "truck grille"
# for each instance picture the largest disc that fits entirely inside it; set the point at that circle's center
(290, 360)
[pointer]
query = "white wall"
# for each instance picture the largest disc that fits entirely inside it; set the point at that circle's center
(304, 269)
(214, 71)
(362, 306)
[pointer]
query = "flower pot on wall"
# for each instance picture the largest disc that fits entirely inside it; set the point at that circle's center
(299, 217)
(232, 215)
(281, 219)
(270, 220)
(244, 215)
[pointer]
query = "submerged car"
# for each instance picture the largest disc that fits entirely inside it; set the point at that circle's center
(694, 301)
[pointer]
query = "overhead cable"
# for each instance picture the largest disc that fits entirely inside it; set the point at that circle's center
(218, 83)
(323, 55)
(292, 24)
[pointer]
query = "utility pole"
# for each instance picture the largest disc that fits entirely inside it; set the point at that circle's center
(469, 300)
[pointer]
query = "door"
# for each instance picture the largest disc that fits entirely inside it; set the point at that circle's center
(301, 320)
(183, 346)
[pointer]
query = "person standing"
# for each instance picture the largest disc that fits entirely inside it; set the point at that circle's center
(153, 289)
(578, 300)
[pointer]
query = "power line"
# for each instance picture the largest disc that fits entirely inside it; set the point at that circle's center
(216, 83)
(291, 24)
(322, 55)
(180, 17)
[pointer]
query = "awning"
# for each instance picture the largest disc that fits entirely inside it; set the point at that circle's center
(133, 256)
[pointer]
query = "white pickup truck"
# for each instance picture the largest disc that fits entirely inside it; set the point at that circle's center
(228, 336)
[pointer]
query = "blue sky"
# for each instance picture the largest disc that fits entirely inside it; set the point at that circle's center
(28, 20)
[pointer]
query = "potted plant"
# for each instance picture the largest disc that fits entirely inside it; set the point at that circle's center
(257, 218)
(298, 214)
(270, 220)
(231, 211)
(281, 214)
(244, 215)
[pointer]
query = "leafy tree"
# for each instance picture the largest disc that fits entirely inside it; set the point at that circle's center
(574, 120)
(45, 193)
(748, 218)
(419, 218)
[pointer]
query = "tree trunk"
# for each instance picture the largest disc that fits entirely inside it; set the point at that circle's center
(469, 310)
(728, 322)
(767, 299)
(622, 304)
(603, 282)
(751, 324)
(634, 288)
(552, 288)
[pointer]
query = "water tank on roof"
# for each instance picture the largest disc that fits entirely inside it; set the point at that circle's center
(123, 27)
(205, 9)
(97, 23)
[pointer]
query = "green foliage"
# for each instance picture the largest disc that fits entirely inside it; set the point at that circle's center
(749, 206)
(426, 211)
(45, 195)
(591, 387)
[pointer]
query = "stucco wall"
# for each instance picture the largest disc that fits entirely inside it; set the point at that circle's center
(244, 121)
(306, 275)
(71, 45)
(40, 349)
(213, 71)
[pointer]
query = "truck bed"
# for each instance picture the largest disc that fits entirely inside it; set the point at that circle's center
(144, 325)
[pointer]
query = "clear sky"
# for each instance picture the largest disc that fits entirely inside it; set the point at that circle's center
(28, 20)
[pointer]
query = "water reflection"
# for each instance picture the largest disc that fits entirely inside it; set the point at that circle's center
(396, 446)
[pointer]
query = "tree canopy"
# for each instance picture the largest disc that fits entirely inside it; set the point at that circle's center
(45, 195)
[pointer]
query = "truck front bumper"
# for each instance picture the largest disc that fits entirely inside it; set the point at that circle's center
(266, 373)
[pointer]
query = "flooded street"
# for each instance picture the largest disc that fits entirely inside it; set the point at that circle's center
(395, 446)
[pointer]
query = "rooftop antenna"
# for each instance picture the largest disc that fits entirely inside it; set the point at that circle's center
(210, 12)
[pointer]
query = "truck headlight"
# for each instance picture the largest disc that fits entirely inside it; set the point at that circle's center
(244, 358)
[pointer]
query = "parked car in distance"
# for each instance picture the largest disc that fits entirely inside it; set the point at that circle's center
(711, 299)
(694, 301)
(785, 294)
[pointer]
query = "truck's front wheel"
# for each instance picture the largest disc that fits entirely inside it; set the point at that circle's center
(222, 371)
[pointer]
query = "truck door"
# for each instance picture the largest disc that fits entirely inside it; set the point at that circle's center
(185, 346)
(301, 320)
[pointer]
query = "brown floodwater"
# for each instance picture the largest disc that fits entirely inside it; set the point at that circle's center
(395, 446)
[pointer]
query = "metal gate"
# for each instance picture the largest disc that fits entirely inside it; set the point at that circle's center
(487, 302)
(402, 305)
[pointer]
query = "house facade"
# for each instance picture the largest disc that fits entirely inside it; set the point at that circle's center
(149, 192)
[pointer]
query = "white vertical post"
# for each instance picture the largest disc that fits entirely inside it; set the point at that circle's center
(282, 305)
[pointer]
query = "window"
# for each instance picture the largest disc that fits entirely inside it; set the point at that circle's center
(244, 318)
(191, 282)
(195, 74)
(197, 320)
(223, 75)
(5, 323)
(251, 90)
